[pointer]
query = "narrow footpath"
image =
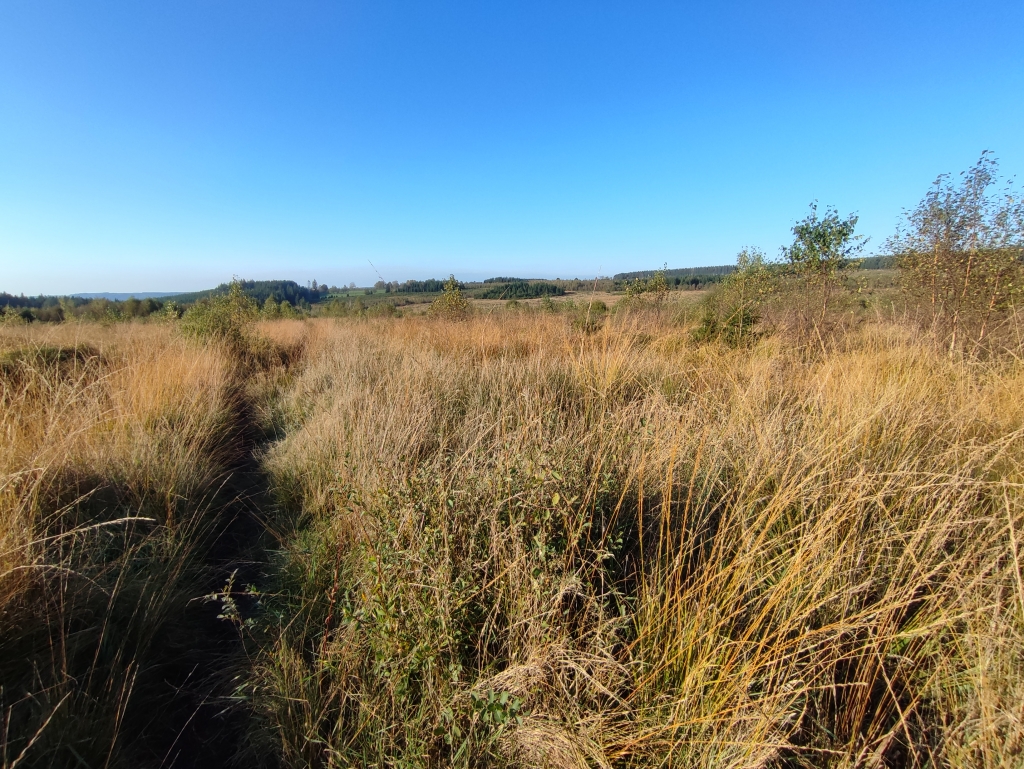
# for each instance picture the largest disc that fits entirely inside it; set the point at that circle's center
(202, 655)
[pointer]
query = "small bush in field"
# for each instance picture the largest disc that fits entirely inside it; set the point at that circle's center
(222, 317)
(172, 311)
(823, 250)
(271, 309)
(732, 311)
(11, 317)
(590, 317)
(451, 305)
(643, 292)
(382, 310)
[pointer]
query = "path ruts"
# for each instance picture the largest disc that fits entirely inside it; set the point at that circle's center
(197, 720)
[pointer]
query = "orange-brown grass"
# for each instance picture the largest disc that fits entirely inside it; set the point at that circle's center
(114, 440)
(517, 544)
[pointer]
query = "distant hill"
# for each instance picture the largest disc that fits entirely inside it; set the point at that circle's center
(120, 297)
(680, 272)
(282, 291)
(703, 274)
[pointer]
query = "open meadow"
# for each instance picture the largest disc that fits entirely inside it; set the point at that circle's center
(512, 538)
(511, 385)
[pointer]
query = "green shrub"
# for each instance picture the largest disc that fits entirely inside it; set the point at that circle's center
(271, 309)
(731, 312)
(227, 318)
(172, 311)
(382, 310)
(653, 289)
(589, 317)
(451, 305)
(12, 317)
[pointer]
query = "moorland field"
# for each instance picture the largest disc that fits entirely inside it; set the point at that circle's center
(774, 523)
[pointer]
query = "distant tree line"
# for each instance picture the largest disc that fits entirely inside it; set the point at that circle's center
(39, 302)
(55, 309)
(261, 290)
(428, 286)
(521, 289)
(715, 273)
(679, 272)
(878, 263)
(281, 298)
(681, 277)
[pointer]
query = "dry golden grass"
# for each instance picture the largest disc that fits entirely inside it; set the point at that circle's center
(522, 545)
(516, 540)
(129, 407)
(114, 441)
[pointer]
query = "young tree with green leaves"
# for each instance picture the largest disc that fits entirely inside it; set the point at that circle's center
(732, 310)
(226, 317)
(451, 305)
(823, 249)
(271, 309)
(656, 287)
(750, 283)
(962, 250)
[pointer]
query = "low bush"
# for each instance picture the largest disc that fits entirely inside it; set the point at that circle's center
(226, 318)
(451, 305)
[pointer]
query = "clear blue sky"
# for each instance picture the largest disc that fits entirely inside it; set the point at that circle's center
(168, 145)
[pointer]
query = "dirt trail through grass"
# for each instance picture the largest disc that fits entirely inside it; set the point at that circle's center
(210, 725)
(133, 513)
(204, 655)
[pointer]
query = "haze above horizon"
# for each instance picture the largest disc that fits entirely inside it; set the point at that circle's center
(167, 147)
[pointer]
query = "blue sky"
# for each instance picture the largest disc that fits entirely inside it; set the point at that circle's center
(170, 145)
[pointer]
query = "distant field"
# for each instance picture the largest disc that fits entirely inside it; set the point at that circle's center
(290, 299)
(582, 299)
